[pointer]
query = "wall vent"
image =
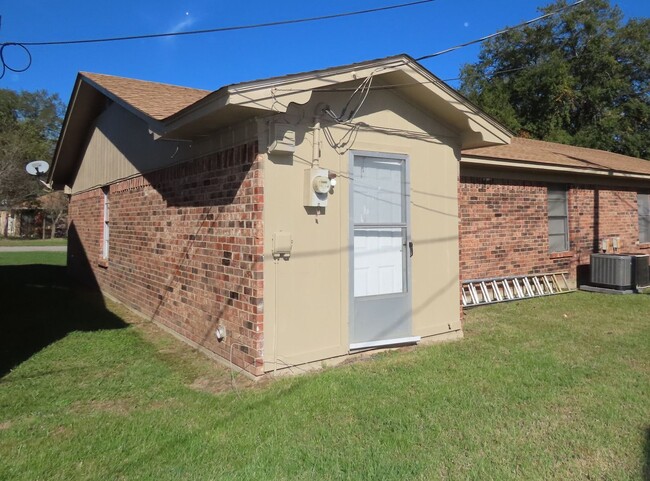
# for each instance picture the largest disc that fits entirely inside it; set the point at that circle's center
(619, 271)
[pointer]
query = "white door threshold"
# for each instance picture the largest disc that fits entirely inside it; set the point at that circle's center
(385, 343)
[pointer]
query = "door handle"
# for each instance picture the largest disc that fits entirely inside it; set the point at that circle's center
(410, 248)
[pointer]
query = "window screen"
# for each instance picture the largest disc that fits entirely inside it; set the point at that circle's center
(644, 217)
(106, 225)
(558, 225)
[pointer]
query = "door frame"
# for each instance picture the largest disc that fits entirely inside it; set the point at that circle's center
(407, 264)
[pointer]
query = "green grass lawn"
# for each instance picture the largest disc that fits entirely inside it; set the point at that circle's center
(11, 242)
(550, 388)
(23, 258)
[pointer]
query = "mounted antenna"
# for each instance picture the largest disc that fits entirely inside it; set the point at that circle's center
(37, 167)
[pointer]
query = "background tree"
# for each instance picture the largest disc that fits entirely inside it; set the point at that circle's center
(29, 126)
(581, 77)
(55, 207)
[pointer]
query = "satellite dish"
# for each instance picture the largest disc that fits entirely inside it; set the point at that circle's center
(37, 167)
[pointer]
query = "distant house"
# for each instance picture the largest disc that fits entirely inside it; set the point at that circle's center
(314, 215)
(21, 222)
(35, 218)
(9, 222)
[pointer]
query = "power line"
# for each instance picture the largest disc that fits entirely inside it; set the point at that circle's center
(227, 29)
(4, 66)
(23, 45)
(495, 73)
(500, 32)
(447, 50)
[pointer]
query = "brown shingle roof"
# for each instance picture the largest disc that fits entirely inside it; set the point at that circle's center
(540, 152)
(156, 100)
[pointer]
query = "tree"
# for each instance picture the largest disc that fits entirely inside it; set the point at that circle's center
(54, 206)
(580, 77)
(29, 126)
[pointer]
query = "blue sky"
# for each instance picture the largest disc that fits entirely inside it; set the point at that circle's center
(213, 60)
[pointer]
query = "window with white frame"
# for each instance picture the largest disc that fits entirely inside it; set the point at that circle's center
(558, 219)
(644, 217)
(106, 227)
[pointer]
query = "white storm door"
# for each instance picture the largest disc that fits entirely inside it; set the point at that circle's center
(380, 275)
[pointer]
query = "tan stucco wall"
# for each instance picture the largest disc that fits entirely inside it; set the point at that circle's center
(307, 301)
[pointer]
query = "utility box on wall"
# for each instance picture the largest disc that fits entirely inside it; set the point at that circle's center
(282, 139)
(317, 187)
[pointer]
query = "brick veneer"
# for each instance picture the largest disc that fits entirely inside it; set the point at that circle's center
(186, 249)
(503, 226)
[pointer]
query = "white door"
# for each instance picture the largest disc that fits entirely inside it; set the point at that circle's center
(381, 254)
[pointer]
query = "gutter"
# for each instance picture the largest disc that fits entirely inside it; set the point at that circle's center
(539, 166)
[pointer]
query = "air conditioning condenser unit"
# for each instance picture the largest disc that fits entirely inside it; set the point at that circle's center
(620, 271)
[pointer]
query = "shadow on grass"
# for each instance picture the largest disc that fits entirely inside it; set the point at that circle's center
(39, 306)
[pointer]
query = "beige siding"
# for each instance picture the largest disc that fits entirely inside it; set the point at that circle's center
(120, 146)
(307, 297)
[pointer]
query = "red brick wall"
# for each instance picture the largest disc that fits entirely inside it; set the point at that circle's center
(503, 226)
(186, 249)
(85, 234)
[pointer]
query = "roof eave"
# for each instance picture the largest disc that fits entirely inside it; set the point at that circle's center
(507, 133)
(64, 129)
(254, 95)
(274, 95)
(80, 113)
(548, 167)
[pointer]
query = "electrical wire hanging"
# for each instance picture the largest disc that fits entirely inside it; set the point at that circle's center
(229, 29)
(23, 45)
(6, 66)
(340, 118)
(362, 90)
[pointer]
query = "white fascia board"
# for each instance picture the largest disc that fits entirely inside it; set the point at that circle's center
(275, 94)
(538, 166)
(477, 120)
(64, 128)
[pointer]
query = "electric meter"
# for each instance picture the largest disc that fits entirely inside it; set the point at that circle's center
(321, 184)
(316, 188)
